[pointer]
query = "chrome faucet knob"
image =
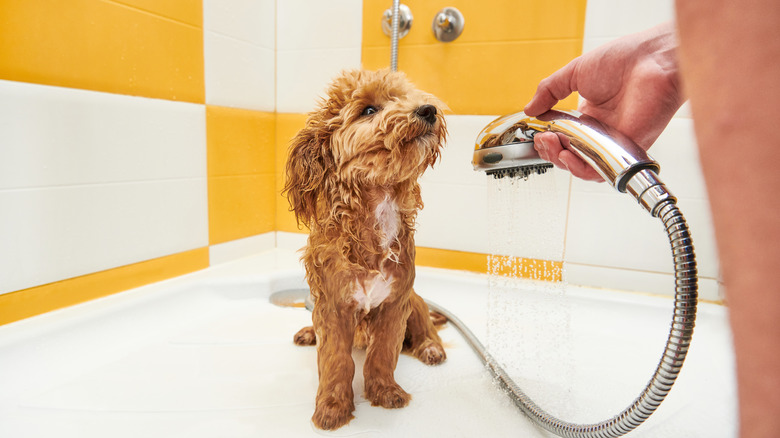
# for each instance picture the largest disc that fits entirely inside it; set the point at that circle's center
(448, 25)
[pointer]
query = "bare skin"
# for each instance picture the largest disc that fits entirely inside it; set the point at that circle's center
(728, 64)
(733, 80)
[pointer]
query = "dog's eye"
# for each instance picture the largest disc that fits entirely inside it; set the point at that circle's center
(369, 110)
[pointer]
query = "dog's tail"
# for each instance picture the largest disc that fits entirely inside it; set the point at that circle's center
(437, 319)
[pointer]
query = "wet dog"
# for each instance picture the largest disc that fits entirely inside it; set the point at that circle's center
(351, 178)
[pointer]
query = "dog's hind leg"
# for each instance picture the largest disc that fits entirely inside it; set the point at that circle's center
(334, 324)
(386, 334)
(421, 340)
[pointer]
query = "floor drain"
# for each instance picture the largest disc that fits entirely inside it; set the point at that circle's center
(292, 298)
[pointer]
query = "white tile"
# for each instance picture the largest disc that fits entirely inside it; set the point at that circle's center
(453, 218)
(614, 18)
(240, 248)
(520, 218)
(684, 111)
(303, 76)
(455, 166)
(633, 280)
(52, 136)
(677, 153)
(52, 234)
(238, 74)
(613, 231)
(311, 24)
(291, 241)
(591, 43)
(251, 21)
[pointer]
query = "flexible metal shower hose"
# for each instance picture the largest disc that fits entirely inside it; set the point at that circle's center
(681, 331)
(394, 35)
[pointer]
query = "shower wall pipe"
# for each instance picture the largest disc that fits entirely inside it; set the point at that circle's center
(394, 35)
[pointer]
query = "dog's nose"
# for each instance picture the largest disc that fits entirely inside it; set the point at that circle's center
(427, 113)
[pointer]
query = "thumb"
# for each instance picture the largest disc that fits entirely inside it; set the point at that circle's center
(553, 89)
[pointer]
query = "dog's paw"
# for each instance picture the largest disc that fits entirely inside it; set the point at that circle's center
(305, 336)
(431, 353)
(388, 396)
(332, 413)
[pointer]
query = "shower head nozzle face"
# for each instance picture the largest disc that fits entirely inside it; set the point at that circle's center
(523, 171)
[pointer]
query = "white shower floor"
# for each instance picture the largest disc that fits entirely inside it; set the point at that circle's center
(207, 355)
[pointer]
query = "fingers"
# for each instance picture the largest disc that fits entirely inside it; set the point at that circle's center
(579, 168)
(552, 147)
(549, 147)
(552, 89)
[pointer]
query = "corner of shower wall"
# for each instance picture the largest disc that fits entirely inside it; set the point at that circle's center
(185, 168)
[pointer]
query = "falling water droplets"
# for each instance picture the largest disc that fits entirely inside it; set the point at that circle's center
(529, 330)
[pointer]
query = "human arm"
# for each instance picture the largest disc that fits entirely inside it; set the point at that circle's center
(729, 59)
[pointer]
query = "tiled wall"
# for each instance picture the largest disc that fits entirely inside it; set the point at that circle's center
(607, 240)
(143, 139)
(137, 143)
(636, 253)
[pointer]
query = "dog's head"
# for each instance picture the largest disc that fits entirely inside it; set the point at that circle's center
(374, 129)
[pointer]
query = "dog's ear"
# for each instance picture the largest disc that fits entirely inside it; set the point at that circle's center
(307, 169)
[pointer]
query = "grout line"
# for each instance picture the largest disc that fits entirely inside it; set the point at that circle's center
(240, 40)
(620, 268)
(101, 184)
(154, 14)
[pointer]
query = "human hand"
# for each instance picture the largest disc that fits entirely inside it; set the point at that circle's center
(630, 84)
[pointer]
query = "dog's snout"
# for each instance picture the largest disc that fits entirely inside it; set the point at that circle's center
(427, 113)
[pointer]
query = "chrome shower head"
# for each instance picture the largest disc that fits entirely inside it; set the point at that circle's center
(505, 147)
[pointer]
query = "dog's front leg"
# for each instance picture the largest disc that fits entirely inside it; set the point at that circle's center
(386, 334)
(334, 324)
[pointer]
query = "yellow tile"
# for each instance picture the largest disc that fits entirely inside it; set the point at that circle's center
(486, 20)
(37, 300)
(481, 78)
(240, 142)
(103, 46)
(240, 206)
(186, 11)
(449, 259)
(287, 125)
(507, 266)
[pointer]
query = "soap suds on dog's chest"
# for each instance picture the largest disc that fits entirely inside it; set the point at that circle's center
(372, 291)
(388, 219)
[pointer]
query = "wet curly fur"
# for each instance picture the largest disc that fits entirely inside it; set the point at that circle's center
(351, 178)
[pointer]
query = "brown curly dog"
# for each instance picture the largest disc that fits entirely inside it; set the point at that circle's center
(352, 179)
